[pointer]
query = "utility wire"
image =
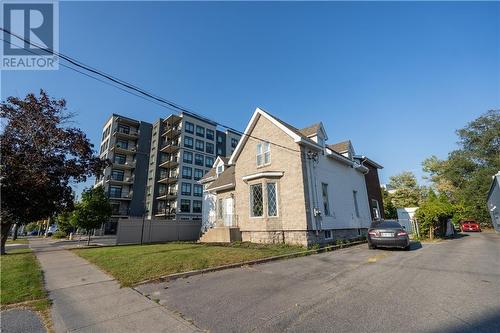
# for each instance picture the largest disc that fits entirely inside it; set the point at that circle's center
(139, 92)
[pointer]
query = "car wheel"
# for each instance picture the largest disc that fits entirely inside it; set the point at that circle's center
(407, 248)
(371, 247)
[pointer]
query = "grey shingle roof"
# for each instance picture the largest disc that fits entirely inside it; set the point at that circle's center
(340, 147)
(311, 130)
(225, 178)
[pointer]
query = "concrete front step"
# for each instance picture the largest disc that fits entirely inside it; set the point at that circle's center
(221, 235)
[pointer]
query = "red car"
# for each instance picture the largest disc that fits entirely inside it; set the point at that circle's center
(470, 226)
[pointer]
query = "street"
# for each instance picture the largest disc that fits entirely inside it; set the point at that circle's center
(448, 286)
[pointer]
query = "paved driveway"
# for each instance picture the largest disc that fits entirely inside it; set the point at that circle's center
(451, 286)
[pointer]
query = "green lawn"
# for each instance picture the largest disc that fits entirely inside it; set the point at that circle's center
(17, 241)
(21, 279)
(135, 263)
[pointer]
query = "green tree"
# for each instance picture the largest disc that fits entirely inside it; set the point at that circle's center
(390, 211)
(433, 214)
(92, 211)
(41, 156)
(65, 222)
(407, 192)
(465, 176)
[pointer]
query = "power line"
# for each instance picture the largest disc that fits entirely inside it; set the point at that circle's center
(139, 92)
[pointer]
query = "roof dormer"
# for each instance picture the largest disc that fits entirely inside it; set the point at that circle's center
(316, 133)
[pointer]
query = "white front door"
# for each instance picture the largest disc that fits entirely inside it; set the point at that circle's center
(228, 212)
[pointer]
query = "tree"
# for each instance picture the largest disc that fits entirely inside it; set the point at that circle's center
(390, 211)
(65, 222)
(433, 214)
(407, 192)
(465, 176)
(92, 211)
(41, 155)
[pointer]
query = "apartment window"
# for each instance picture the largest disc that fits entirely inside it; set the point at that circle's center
(115, 191)
(256, 204)
(234, 142)
(209, 161)
(197, 190)
(355, 197)
(189, 127)
(198, 159)
(200, 145)
(219, 209)
(219, 151)
(328, 234)
(187, 157)
(196, 206)
(198, 173)
(162, 189)
(104, 146)
(120, 159)
(185, 206)
(117, 175)
(187, 172)
(326, 205)
(200, 131)
(188, 142)
(210, 148)
(186, 189)
(272, 200)
(210, 134)
(122, 144)
(124, 129)
(115, 208)
(220, 139)
(263, 153)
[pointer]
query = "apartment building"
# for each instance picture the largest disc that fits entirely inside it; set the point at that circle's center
(126, 143)
(183, 149)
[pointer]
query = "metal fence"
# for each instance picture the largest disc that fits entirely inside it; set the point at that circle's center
(137, 231)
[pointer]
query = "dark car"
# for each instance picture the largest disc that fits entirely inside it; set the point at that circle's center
(470, 226)
(388, 234)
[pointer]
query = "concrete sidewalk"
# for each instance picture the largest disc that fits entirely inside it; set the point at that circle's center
(85, 299)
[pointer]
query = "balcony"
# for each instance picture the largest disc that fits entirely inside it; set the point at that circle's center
(122, 133)
(170, 146)
(124, 166)
(169, 162)
(169, 178)
(161, 211)
(130, 149)
(170, 195)
(120, 180)
(172, 131)
(119, 196)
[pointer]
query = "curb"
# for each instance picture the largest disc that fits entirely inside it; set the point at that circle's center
(170, 277)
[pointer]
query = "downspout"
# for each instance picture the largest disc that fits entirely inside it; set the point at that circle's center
(312, 157)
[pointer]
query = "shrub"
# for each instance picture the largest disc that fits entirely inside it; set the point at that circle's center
(59, 234)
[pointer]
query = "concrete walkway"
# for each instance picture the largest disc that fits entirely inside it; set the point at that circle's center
(85, 299)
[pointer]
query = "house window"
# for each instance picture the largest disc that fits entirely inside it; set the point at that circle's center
(210, 134)
(200, 131)
(115, 191)
(197, 191)
(196, 206)
(256, 205)
(186, 189)
(185, 206)
(220, 169)
(326, 205)
(187, 172)
(234, 142)
(198, 173)
(375, 209)
(117, 175)
(263, 153)
(355, 197)
(189, 127)
(120, 159)
(210, 148)
(328, 234)
(198, 159)
(200, 145)
(187, 157)
(272, 200)
(188, 142)
(219, 209)
(209, 161)
(122, 144)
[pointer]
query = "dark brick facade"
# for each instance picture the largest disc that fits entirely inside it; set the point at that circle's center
(373, 188)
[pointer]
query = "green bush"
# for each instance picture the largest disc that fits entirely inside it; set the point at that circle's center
(59, 234)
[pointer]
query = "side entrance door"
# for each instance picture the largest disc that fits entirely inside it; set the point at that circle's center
(228, 212)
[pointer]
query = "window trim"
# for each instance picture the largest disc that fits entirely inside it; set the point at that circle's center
(263, 152)
(188, 123)
(250, 197)
(277, 201)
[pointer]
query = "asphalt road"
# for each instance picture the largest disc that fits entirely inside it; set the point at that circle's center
(451, 286)
(21, 321)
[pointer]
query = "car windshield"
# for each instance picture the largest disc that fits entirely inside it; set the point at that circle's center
(386, 225)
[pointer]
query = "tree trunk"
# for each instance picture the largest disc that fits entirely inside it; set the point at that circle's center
(88, 241)
(5, 228)
(14, 233)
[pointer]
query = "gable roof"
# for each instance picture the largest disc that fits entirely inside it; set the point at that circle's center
(293, 132)
(340, 147)
(313, 129)
(212, 173)
(225, 181)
